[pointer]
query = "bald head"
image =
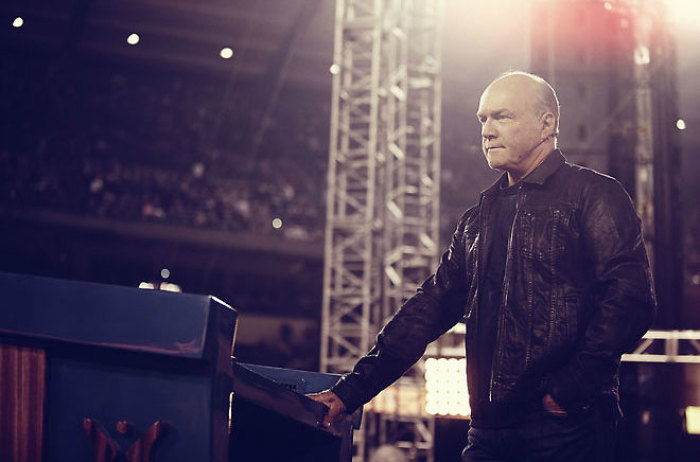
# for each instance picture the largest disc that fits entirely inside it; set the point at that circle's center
(538, 93)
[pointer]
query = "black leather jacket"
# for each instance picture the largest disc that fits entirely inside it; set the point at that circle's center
(577, 293)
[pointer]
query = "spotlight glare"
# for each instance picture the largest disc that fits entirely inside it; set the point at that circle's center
(18, 22)
(133, 39)
(692, 420)
(226, 53)
(446, 387)
(680, 124)
(685, 13)
(169, 287)
(641, 55)
(334, 69)
(165, 273)
(277, 223)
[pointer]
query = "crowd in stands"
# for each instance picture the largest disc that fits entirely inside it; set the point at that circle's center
(127, 141)
(155, 145)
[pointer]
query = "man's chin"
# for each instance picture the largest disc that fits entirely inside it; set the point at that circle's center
(494, 164)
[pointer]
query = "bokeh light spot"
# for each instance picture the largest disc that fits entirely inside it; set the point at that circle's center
(226, 53)
(641, 55)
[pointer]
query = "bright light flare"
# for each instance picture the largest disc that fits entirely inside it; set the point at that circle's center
(165, 286)
(133, 39)
(18, 22)
(170, 287)
(446, 387)
(685, 12)
(641, 55)
(334, 69)
(165, 273)
(277, 223)
(226, 53)
(692, 420)
(680, 124)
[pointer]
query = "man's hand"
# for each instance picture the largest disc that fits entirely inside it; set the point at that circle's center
(551, 406)
(335, 405)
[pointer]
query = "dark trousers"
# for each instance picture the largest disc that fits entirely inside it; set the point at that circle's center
(546, 437)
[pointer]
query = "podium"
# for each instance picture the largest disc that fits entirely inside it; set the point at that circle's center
(99, 373)
(272, 420)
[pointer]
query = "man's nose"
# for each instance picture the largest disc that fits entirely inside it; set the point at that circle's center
(487, 131)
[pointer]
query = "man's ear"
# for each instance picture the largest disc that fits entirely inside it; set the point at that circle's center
(548, 125)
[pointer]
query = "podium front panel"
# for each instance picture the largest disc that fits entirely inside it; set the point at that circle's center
(139, 397)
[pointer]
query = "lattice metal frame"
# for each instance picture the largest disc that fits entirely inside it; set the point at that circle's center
(352, 280)
(351, 276)
(382, 200)
(667, 346)
(413, 155)
(644, 149)
(413, 92)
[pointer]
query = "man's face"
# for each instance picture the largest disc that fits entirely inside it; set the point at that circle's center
(510, 127)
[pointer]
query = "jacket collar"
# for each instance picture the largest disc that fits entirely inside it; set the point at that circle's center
(551, 164)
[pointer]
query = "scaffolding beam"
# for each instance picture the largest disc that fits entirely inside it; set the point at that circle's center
(351, 283)
(383, 179)
(644, 149)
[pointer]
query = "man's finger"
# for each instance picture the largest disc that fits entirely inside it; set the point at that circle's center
(335, 405)
(327, 420)
(331, 415)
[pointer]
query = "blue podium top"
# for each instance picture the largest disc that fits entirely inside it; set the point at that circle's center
(104, 315)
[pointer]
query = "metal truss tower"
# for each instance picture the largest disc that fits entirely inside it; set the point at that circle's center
(644, 149)
(411, 193)
(383, 180)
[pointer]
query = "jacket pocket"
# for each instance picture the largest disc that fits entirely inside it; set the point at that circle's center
(545, 234)
(563, 324)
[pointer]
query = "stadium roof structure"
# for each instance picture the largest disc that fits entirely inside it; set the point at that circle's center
(270, 39)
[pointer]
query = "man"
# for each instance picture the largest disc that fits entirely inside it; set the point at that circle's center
(551, 272)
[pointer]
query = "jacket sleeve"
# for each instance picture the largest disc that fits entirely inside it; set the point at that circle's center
(438, 305)
(624, 303)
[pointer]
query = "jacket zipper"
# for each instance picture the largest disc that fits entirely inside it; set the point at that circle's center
(483, 225)
(506, 285)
